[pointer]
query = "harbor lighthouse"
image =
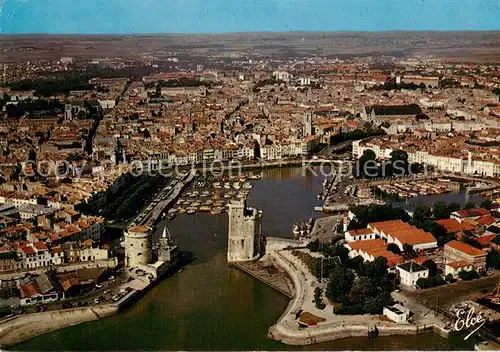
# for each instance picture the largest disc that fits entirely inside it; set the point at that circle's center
(245, 232)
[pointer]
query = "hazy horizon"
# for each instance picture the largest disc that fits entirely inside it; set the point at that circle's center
(156, 17)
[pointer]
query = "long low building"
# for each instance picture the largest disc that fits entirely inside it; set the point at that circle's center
(400, 233)
(370, 250)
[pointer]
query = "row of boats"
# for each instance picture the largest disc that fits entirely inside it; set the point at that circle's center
(414, 189)
(213, 201)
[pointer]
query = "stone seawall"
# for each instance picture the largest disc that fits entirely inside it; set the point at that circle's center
(24, 327)
(283, 332)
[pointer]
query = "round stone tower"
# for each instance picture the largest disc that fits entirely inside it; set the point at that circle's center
(138, 249)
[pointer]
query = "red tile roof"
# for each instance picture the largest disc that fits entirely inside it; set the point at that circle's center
(485, 240)
(40, 246)
(487, 220)
(29, 290)
(28, 250)
(366, 231)
(459, 264)
(472, 212)
(465, 248)
(453, 225)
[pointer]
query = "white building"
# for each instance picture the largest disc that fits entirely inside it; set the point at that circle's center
(454, 268)
(397, 313)
(410, 272)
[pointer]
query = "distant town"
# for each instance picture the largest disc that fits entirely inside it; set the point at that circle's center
(98, 155)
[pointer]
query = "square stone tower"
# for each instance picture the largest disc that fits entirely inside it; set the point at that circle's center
(245, 232)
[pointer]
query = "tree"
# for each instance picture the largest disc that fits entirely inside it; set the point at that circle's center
(366, 163)
(357, 264)
(313, 246)
(436, 280)
(422, 283)
(432, 266)
(393, 247)
(441, 210)
(469, 238)
(468, 275)
(361, 290)
(442, 240)
(399, 163)
(409, 252)
(487, 204)
(470, 205)
(453, 206)
(317, 298)
(493, 260)
(341, 281)
(422, 213)
(449, 278)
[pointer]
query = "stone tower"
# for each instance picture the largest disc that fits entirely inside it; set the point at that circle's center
(167, 251)
(307, 124)
(138, 249)
(245, 232)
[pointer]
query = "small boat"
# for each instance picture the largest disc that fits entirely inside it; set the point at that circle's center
(180, 271)
(191, 211)
(247, 185)
(182, 210)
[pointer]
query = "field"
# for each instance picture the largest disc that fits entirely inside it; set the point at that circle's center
(455, 46)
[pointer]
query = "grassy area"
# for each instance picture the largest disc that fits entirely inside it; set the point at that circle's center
(309, 318)
(447, 295)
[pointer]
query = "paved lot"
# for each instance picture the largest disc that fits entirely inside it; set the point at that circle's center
(447, 295)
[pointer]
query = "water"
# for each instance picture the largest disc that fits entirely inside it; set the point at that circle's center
(461, 197)
(211, 306)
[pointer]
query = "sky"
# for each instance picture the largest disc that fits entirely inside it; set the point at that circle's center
(218, 16)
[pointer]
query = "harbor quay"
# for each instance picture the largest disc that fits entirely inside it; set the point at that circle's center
(16, 329)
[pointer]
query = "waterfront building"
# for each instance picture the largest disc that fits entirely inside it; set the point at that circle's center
(397, 313)
(245, 232)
